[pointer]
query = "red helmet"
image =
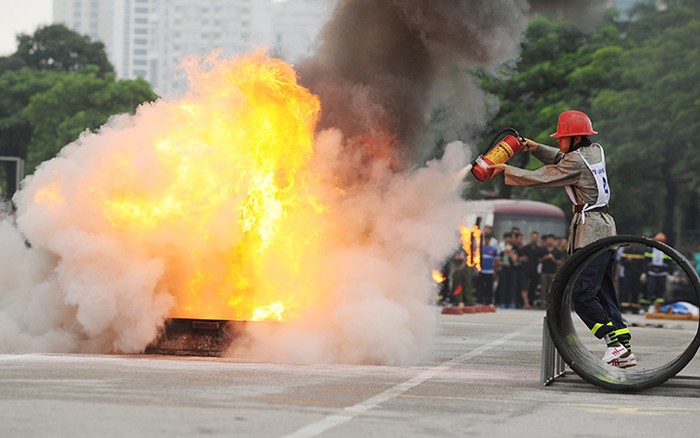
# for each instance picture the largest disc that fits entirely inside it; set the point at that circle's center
(572, 123)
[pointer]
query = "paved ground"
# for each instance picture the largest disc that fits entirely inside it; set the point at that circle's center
(481, 379)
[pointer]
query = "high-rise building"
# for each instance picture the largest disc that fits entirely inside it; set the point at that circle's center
(148, 38)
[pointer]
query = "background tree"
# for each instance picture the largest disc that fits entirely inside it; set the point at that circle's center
(76, 102)
(538, 88)
(56, 47)
(55, 86)
(639, 81)
(16, 89)
(652, 116)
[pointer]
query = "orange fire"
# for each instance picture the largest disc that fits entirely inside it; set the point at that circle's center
(228, 205)
(471, 243)
(49, 196)
(438, 277)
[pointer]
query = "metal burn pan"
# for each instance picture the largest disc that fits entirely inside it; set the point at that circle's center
(196, 337)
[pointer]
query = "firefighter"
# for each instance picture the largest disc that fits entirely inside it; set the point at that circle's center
(578, 165)
(632, 261)
(659, 265)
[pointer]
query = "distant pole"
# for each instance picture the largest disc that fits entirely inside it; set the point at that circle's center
(19, 169)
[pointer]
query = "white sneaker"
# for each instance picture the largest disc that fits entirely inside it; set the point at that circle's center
(614, 353)
(624, 362)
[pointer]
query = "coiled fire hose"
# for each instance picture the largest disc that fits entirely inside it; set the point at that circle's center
(581, 360)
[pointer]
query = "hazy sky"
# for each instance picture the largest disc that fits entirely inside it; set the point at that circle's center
(21, 16)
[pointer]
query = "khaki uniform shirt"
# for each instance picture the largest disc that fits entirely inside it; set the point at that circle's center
(569, 169)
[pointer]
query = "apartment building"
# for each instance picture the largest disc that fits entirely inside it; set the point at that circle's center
(148, 38)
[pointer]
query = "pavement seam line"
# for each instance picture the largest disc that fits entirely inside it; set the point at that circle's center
(318, 427)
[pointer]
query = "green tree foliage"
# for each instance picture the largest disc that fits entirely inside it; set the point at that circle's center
(54, 87)
(16, 89)
(539, 87)
(640, 82)
(652, 116)
(56, 47)
(76, 102)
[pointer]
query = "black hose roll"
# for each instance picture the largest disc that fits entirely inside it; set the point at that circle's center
(561, 326)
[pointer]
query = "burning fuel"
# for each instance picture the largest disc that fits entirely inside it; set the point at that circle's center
(437, 276)
(471, 244)
(223, 205)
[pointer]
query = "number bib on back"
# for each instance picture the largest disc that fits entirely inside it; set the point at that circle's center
(601, 180)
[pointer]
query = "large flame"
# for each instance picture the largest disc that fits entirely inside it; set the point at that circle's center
(471, 243)
(229, 207)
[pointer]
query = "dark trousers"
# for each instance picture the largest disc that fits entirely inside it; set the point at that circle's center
(533, 281)
(594, 296)
(462, 281)
(631, 288)
(507, 286)
(656, 286)
(484, 288)
(546, 280)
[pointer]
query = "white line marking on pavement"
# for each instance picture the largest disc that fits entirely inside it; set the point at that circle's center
(347, 414)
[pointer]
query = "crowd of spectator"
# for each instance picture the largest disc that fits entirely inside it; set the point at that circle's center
(513, 274)
(518, 274)
(646, 276)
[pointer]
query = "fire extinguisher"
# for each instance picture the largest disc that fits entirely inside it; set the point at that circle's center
(499, 152)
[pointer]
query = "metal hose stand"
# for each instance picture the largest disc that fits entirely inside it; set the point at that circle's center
(563, 334)
(552, 364)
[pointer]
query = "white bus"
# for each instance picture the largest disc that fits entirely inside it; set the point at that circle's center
(528, 216)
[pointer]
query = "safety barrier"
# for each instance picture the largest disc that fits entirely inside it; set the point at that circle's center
(562, 343)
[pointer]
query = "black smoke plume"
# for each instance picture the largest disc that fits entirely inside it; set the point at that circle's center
(377, 61)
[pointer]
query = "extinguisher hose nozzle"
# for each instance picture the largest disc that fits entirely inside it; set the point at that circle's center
(462, 173)
(465, 170)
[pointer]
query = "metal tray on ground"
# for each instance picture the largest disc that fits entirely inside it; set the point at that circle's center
(196, 337)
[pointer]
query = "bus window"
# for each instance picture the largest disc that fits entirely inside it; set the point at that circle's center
(503, 223)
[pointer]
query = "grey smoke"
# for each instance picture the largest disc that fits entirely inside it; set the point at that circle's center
(377, 61)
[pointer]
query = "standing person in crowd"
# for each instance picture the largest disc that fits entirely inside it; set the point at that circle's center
(550, 258)
(619, 273)
(452, 292)
(579, 166)
(444, 289)
(658, 267)
(562, 244)
(484, 279)
(532, 251)
(519, 274)
(462, 292)
(488, 238)
(504, 292)
(633, 262)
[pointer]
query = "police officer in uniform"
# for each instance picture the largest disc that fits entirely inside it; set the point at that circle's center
(578, 165)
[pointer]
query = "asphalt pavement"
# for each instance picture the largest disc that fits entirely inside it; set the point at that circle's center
(480, 378)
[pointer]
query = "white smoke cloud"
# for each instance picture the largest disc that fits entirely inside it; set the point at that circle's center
(396, 227)
(79, 288)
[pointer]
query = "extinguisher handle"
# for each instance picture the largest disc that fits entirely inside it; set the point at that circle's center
(520, 138)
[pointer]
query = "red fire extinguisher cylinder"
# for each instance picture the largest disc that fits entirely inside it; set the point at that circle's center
(498, 154)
